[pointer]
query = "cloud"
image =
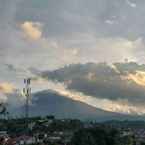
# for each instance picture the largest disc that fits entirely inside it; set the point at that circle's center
(120, 106)
(77, 33)
(131, 4)
(92, 48)
(7, 88)
(64, 34)
(32, 30)
(123, 81)
(11, 94)
(110, 22)
(138, 77)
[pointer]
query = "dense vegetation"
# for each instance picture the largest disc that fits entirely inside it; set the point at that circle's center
(101, 136)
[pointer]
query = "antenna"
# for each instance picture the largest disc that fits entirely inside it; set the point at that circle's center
(27, 93)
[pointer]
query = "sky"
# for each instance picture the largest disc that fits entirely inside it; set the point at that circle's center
(46, 35)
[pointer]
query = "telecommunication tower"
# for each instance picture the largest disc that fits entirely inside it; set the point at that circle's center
(27, 94)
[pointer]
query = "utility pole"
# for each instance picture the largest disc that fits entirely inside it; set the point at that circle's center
(27, 94)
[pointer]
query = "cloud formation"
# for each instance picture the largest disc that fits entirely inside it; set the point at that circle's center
(7, 88)
(71, 33)
(32, 30)
(79, 32)
(119, 106)
(131, 4)
(120, 84)
(138, 77)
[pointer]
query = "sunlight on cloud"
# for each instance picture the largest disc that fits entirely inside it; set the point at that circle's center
(32, 30)
(7, 88)
(118, 106)
(115, 68)
(138, 77)
(92, 48)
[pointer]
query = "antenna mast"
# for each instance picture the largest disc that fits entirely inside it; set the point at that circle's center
(27, 93)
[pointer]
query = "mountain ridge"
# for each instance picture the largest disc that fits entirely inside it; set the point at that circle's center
(48, 102)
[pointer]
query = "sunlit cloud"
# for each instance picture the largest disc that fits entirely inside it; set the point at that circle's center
(138, 77)
(119, 106)
(7, 88)
(92, 37)
(32, 30)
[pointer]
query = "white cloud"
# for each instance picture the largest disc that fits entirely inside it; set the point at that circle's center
(131, 4)
(111, 22)
(109, 49)
(120, 106)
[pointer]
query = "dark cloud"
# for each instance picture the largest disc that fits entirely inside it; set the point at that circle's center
(130, 67)
(102, 80)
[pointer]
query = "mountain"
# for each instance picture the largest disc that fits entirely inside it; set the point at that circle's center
(119, 81)
(50, 103)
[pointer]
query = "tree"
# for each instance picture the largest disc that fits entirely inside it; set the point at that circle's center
(100, 136)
